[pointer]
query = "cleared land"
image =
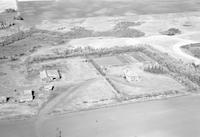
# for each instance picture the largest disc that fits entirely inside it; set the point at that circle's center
(194, 36)
(89, 95)
(13, 81)
(147, 85)
(148, 82)
(56, 42)
(108, 61)
(91, 55)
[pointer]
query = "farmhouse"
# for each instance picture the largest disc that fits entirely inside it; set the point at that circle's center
(50, 75)
(130, 76)
(53, 74)
(26, 96)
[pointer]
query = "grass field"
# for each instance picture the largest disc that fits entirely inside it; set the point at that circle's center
(192, 36)
(141, 57)
(108, 61)
(149, 83)
(126, 59)
(87, 95)
(14, 78)
(79, 70)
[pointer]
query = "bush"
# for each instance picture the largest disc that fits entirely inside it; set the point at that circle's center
(154, 68)
(125, 25)
(10, 10)
(79, 32)
(18, 17)
(171, 32)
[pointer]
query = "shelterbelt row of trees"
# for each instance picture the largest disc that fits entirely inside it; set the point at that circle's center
(184, 73)
(187, 74)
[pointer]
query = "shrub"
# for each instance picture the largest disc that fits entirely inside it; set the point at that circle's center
(125, 25)
(18, 17)
(10, 10)
(171, 32)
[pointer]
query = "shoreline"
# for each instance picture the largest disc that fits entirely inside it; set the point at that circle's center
(115, 104)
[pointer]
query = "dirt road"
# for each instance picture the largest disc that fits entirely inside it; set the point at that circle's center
(44, 113)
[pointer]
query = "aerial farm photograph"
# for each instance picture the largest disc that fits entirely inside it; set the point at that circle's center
(99, 68)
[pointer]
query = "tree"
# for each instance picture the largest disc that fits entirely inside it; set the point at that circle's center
(171, 32)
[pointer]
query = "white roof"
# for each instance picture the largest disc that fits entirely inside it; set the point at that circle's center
(48, 87)
(27, 92)
(43, 74)
(52, 73)
(129, 73)
(26, 98)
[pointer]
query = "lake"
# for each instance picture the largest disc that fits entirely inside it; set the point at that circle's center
(177, 117)
(174, 117)
(64, 9)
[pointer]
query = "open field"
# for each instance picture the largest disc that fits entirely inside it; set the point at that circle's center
(102, 42)
(13, 81)
(147, 85)
(60, 32)
(140, 57)
(93, 45)
(106, 24)
(14, 77)
(72, 70)
(89, 95)
(78, 69)
(126, 59)
(108, 61)
(194, 36)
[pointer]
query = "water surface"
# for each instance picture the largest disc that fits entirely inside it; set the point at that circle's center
(37, 11)
(177, 117)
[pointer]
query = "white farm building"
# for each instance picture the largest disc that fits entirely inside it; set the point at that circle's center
(26, 96)
(130, 76)
(50, 75)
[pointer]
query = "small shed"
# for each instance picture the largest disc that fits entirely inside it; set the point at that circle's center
(49, 87)
(53, 74)
(26, 96)
(49, 75)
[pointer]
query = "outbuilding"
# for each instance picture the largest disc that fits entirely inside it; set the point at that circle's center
(49, 87)
(53, 74)
(50, 75)
(130, 76)
(26, 96)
